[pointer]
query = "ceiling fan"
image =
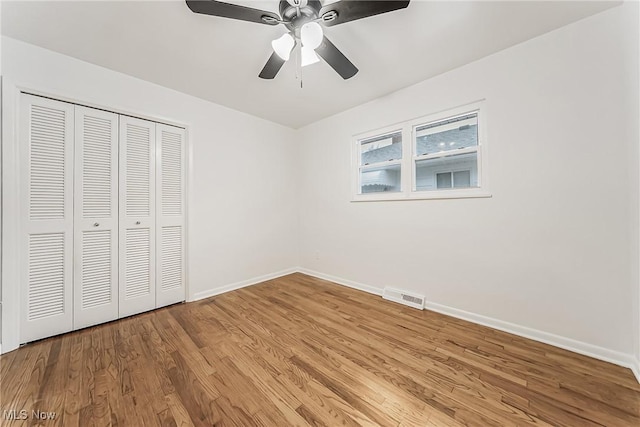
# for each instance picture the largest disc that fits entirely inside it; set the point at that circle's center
(303, 20)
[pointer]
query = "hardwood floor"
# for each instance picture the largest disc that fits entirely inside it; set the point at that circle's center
(299, 351)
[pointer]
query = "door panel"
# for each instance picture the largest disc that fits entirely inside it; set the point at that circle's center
(137, 216)
(95, 217)
(170, 161)
(46, 184)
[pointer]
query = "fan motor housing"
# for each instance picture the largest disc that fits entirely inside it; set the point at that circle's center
(289, 13)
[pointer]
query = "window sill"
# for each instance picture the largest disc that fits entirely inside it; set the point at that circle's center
(423, 195)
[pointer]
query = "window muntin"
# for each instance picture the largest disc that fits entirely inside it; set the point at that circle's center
(380, 165)
(446, 153)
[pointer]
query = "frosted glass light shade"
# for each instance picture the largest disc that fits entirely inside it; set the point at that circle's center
(311, 35)
(283, 46)
(308, 56)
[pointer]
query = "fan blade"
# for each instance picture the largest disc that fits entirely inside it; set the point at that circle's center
(336, 59)
(233, 11)
(350, 10)
(272, 67)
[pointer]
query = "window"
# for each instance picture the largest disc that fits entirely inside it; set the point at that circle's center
(460, 179)
(446, 153)
(380, 163)
(439, 156)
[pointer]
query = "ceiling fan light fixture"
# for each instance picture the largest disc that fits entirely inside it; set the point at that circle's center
(308, 56)
(301, 18)
(283, 46)
(311, 35)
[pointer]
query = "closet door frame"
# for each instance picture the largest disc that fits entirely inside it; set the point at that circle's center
(11, 230)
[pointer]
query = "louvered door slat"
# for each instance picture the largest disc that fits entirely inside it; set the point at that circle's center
(170, 164)
(48, 140)
(137, 216)
(95, 217)
(46, 180)
(171, 258)
(138, 264)
(138, 170)
(171, 171)
(46, 275)
(97, 259)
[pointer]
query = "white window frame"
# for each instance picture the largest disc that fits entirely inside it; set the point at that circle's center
(409, 158)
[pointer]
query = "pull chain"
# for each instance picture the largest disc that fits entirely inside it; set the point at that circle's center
(299, 62)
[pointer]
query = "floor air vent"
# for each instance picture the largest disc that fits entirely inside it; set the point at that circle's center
(404, 297)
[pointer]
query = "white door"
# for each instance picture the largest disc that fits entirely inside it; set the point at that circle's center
(137, 285)
(46, 225)
(170, 185)
(95, 217)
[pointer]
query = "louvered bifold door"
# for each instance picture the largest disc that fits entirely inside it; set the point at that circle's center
(137, 285)
(170, 220)
(46, 216)
(95, 217)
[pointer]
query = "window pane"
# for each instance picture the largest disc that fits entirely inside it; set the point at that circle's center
(386, 178)
(443, 180)
(381, 149)
(433, 174)
(446, 135)
(462, 179)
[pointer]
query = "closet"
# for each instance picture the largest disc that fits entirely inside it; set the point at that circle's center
(102, 216)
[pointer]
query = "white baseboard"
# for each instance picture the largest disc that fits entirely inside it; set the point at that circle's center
(600, 353)
(344, 282)
(243, 284)
(597, 352)
(636, 369)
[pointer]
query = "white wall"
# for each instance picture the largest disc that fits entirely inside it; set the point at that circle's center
(242, 198)
(551, 250)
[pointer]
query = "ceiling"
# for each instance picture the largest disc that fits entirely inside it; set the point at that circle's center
(219, 59)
